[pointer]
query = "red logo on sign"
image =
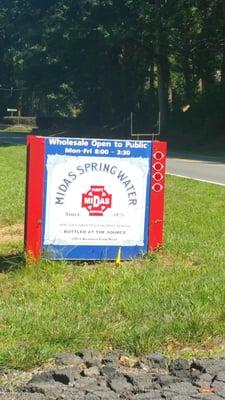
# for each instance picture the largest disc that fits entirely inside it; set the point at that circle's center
(96, 200)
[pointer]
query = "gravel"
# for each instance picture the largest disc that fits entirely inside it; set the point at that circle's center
(91, 375)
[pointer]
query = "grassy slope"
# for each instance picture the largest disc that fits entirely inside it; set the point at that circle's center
(172, 300)
(16, 128)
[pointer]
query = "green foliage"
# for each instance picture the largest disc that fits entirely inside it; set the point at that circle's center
(104, 59)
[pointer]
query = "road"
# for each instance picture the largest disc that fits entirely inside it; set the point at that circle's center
(206, 169)
(12, 138)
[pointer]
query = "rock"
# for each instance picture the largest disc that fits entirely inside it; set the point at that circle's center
(66, 376)
(204, 380)
(181, 388)
(155, 360)
(105, 394)
(90, 384)
(178, 397)
(42, 377)
(90, 357)
(141, 381)
(47, 389)
(68, 359)
(197, 365)
(120, 385)
(112, 358)
(220, 376)
(89, 375)
(212, 366)
(166, 379)
(219, 388)
(91, 372)
(110, 372)
(195, 374)
(91, 396)
(180, 368)
(207, 396)
(22, 396)
(71, 394)
(151, 395)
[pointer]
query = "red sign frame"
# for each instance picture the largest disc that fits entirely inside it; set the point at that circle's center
(35, 196)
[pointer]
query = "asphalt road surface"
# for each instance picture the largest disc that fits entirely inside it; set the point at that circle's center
(12, 138)
(206, 169)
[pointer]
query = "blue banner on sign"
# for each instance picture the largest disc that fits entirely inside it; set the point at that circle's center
(96, 198)
(98, 147)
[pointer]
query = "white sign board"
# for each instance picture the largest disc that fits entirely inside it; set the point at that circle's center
(96, 196)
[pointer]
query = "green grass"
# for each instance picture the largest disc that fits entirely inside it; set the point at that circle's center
(172, 300)
(16, 128)
(12, 184)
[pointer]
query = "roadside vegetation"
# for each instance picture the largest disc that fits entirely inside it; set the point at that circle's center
(16, 128)
(171, 301)
(12, 184)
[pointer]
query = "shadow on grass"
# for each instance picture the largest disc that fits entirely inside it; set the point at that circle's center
(11, 262)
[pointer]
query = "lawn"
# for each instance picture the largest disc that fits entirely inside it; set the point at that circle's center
(12, 184)
(171, 301)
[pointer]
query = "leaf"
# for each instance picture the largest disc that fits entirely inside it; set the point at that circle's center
(206, 389)
(128, 362)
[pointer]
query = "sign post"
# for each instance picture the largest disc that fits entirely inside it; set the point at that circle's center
(12, 110)
(88, 198)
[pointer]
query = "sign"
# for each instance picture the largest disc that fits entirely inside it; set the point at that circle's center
(94, 197)
(12, 109)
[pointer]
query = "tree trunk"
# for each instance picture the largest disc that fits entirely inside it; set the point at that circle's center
(163, 88)
(163, 70)
(152, 77)
(188, 77)
(223, 59)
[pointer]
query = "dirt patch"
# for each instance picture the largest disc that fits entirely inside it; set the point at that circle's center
(11, 233)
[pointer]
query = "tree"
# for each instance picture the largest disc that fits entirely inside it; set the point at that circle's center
(106, 58)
